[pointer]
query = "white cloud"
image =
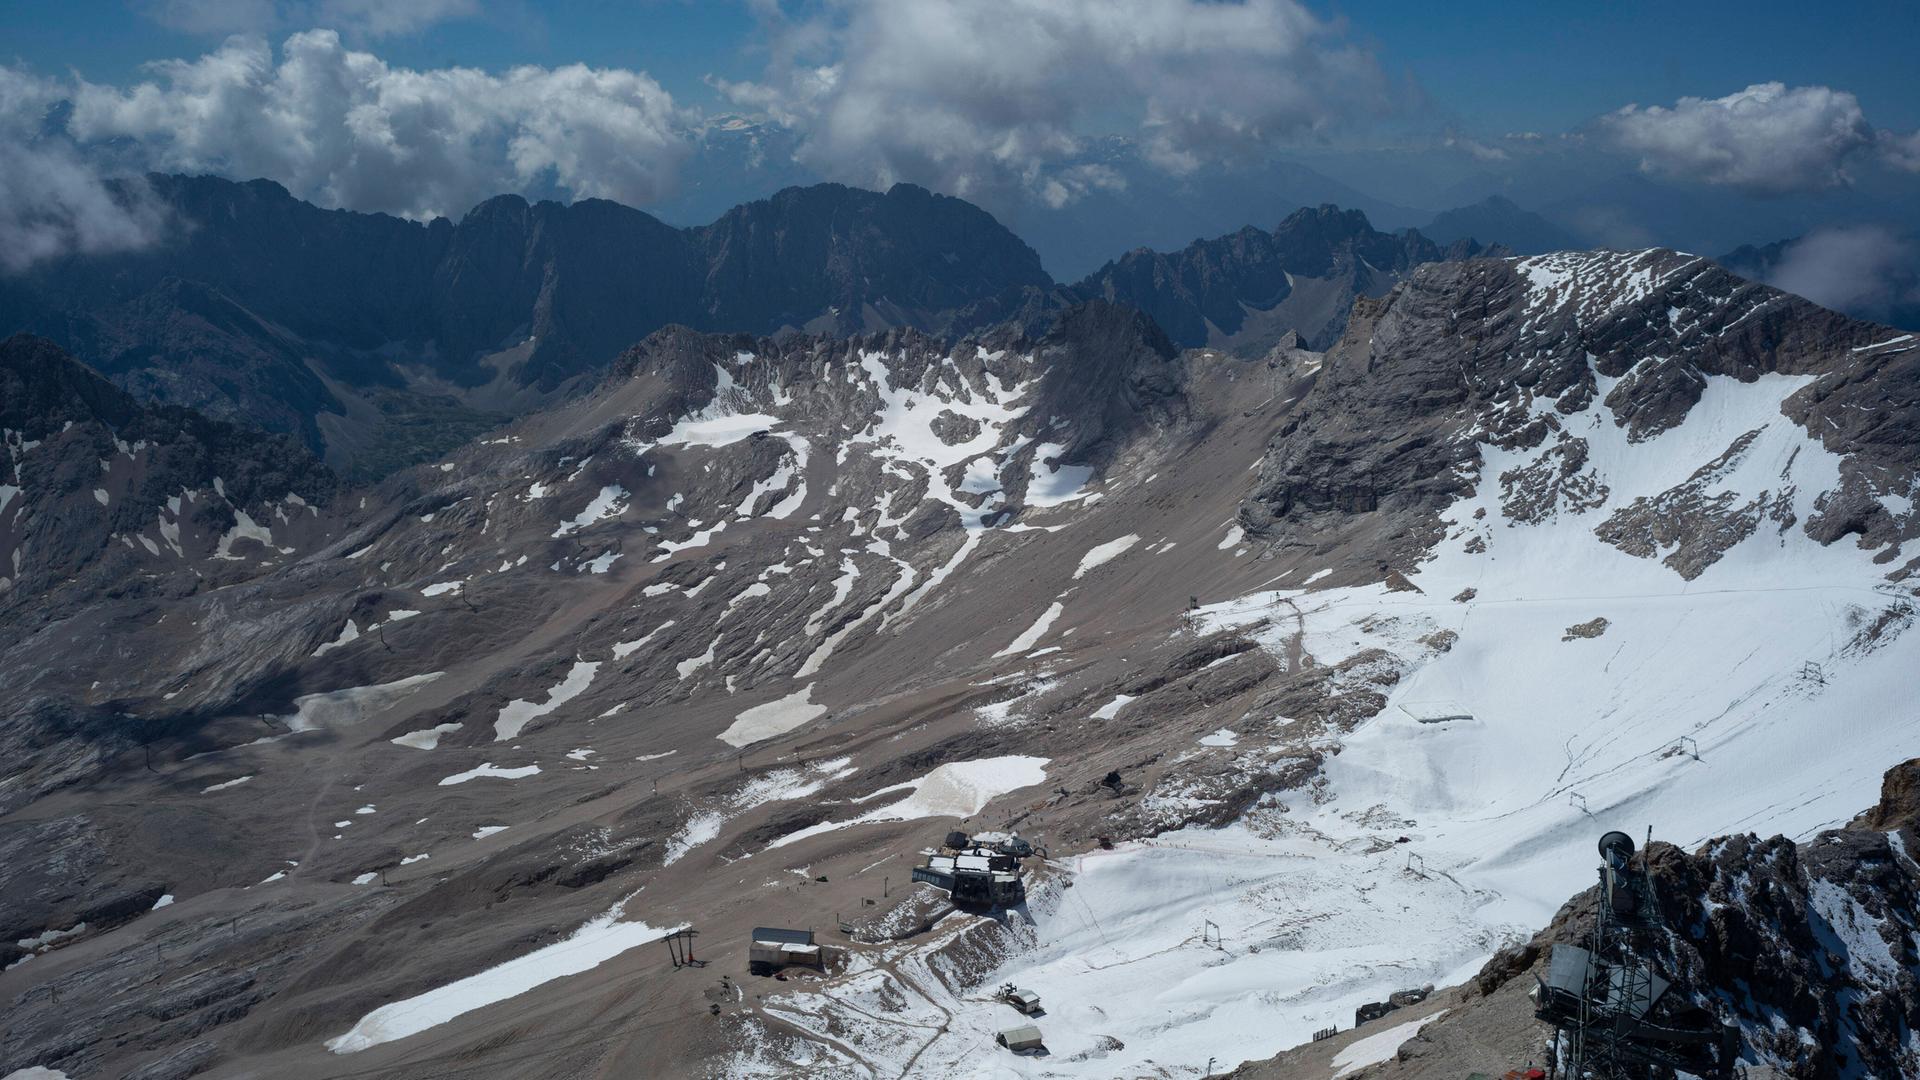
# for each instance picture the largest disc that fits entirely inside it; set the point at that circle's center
(969, 97)
(1901, 151)
(52, 202)
(1865, 270)
(1768, 139)
(1474, 148)
(343, 128)
(1074, 181)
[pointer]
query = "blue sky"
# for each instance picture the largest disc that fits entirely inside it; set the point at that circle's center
(1550, 65)
(1495, 66)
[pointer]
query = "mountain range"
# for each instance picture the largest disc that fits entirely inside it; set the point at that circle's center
(380, 342)
(1520, 231)
(354, 331)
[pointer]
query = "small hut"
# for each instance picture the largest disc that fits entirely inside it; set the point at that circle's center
(775, 947)
(1020, 1040)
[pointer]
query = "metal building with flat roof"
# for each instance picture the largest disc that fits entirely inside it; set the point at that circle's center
(1020, 1039)
(775, 947)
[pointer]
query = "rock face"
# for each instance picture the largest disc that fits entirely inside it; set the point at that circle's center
(831, 259)
(1523, 354)
(1245, 291)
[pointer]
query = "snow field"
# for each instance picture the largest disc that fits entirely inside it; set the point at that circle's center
(1375, 1049)
(1031, 635)
(773, 719)
(518, 713)
(705, 823)
(426, 738)
(335, 708)
(594, 943)
(958, 789)
(1104, 553)
(490, 769)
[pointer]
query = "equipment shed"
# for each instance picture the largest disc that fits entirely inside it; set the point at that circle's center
(773, 948)
(1019, 1039)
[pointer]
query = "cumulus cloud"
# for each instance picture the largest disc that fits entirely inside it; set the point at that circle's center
(1769, 139)
(356, 18)
(973, 97)
(1901, 151)
(1474, 148)
(1864, 270)
(53, 202)
(343, 128)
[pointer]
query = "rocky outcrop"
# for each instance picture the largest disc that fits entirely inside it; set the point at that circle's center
(1112, 369)
(835, 259)
(1501, 353)
(1815, 947)
(1899, 807)
(1812, 948)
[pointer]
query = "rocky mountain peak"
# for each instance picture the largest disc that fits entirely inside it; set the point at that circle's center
(1245, 291)
(507, 207)
(1498, 218)
(850, 260)
(1315, 231)
(1523, 356)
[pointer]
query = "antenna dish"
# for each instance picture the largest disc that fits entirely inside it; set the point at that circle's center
(1616, 848)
